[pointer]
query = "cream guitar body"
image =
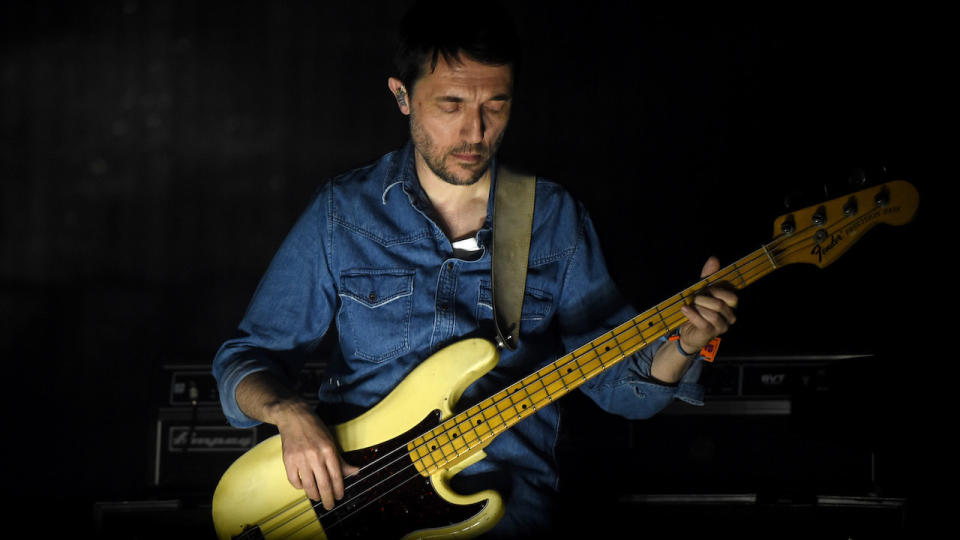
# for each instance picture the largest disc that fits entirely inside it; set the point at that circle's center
(389, 497)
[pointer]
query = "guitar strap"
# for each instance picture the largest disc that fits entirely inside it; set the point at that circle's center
(512, 227)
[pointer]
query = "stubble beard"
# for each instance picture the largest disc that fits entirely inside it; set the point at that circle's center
(436, 159)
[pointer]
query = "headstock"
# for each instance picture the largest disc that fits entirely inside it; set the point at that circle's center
(819, 234)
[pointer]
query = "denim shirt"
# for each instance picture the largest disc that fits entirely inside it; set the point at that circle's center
(367, 255)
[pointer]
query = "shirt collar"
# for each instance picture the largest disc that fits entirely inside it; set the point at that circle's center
(403, 172)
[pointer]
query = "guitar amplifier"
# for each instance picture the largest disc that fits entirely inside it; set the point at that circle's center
(192, 448)
(763, 385)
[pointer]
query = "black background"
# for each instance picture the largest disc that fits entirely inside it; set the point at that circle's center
(154, 154)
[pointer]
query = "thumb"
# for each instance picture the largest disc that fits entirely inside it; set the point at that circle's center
(711, 266)
(347, 468)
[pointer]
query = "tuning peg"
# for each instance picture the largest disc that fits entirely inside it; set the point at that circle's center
(858, 178)
(861, 177)
(796, 198)
(882, 198)
(819, 218)
(850, 207)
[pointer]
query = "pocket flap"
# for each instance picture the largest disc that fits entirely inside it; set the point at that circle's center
(536, 303)
(376, 287)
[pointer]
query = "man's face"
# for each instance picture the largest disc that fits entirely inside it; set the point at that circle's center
(458, 115)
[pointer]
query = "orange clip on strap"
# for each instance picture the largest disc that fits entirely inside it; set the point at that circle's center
(709, 352)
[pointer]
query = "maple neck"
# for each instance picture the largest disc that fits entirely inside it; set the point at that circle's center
(459, 436)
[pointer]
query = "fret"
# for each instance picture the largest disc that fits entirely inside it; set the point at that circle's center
(608, 356)
(636, 326)
(419, 450)
(568, 373)
(523, 403)
(436, 453)
(464, 428)
(465, 424)
(433, 462)
(772, 263)
(457, 443)
(634, 341)
(483, 423)
(543, 392)
(473, 417)
(653, 331)
(511, 411)
(619, 353)
(554, 378)
(559, 373)
(531, 381)
(497, 420)
(737, 269)
(444, 441)
(662, 320)
(582, 350)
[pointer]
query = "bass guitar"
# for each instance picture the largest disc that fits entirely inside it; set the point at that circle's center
(410, 444)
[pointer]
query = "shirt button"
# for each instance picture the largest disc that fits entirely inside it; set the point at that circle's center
(373, 297)
(450, 266)
(443, 306)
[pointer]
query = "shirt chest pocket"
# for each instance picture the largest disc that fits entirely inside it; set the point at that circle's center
(537, 305)
(375, 310)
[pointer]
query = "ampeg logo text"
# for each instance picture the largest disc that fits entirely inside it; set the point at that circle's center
(211, 439)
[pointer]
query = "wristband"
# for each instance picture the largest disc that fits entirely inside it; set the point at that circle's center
(675, 337)
(708, 352)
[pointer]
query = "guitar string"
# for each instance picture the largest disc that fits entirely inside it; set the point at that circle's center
(749, 268)
(746, 268)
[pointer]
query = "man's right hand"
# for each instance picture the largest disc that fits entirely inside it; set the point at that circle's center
(310, 455)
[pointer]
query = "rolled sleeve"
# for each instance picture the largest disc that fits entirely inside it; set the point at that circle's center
(227, 381)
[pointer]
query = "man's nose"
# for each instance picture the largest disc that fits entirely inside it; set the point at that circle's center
(474, 126)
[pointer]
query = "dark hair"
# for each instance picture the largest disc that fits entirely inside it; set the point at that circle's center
(432, 28)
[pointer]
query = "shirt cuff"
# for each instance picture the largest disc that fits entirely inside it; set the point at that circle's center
(228, 390)
(687, 389)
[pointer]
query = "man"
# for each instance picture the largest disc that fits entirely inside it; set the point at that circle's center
(396, 254)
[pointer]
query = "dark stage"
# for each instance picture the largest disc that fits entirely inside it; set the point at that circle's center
(153, 155)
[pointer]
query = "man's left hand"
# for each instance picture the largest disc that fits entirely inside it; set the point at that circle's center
(710, 314)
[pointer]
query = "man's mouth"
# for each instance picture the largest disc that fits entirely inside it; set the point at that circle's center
(468, 157)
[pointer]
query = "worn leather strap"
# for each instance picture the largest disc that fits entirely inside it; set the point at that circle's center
(512, 226)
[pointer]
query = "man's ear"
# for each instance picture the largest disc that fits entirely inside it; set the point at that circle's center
(400, 94)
